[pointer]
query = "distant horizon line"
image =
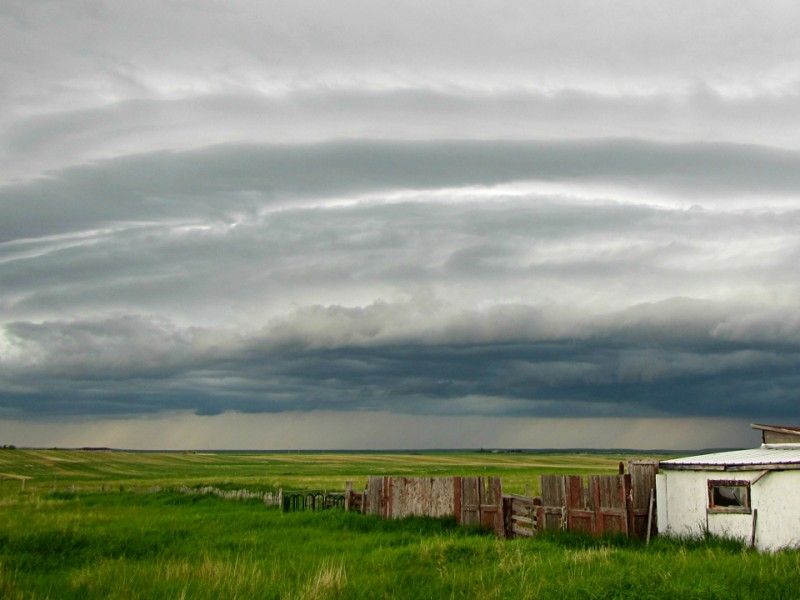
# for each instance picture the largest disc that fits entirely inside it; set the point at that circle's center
(478, 450)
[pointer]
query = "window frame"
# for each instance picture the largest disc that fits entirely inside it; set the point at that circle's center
(712, 508)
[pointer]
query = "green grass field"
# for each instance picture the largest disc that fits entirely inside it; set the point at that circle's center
(89, 525)
(96, 470)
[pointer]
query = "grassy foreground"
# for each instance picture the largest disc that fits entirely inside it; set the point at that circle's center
(140, 543)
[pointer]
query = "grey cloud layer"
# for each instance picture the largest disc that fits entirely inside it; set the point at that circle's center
(511, 208)
(519, 305)
(40, 141)
(531, 249)
(507, 360)
(223, 182)
(206, 42)
(261, 72)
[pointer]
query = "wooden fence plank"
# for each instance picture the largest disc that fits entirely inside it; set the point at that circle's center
(492, 506)
(374, 498)
(554, 501)
(643, 483)
(470, 501)
(552, 487)
(457, 500)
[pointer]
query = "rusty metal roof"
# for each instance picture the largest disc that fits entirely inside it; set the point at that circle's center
(753, 457)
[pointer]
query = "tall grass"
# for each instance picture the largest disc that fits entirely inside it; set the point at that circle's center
(128, 545)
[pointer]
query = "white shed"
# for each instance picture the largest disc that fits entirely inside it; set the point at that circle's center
(751, 494)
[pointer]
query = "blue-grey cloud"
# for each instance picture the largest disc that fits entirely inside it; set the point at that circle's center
(255, 231)
(223, 182)
(510, 360)
(534, 248)
(36, 142)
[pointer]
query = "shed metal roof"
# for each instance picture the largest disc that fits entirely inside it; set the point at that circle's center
(778, 457)
(781, 428)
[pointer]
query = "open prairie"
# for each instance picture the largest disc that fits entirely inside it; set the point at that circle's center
(98, 470)
(95, 524)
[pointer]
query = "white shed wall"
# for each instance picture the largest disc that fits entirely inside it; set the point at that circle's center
(683, 503)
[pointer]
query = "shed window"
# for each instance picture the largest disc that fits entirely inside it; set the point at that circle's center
(729, 496)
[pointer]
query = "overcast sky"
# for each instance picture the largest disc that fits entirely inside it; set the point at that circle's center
(398, 224)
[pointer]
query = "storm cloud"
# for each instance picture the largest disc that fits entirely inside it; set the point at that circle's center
(529, 211)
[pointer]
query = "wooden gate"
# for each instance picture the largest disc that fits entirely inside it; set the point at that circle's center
(569, 503)
(520, 515)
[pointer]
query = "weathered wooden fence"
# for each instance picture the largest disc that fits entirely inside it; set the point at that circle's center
(311, 500)
(597, 505)
(472, 501)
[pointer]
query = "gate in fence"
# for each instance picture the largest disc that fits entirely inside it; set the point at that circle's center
(599, 504)
(521, 515)
(597, 508)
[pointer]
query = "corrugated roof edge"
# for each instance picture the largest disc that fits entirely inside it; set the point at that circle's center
(786, 457)
(789, 429)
